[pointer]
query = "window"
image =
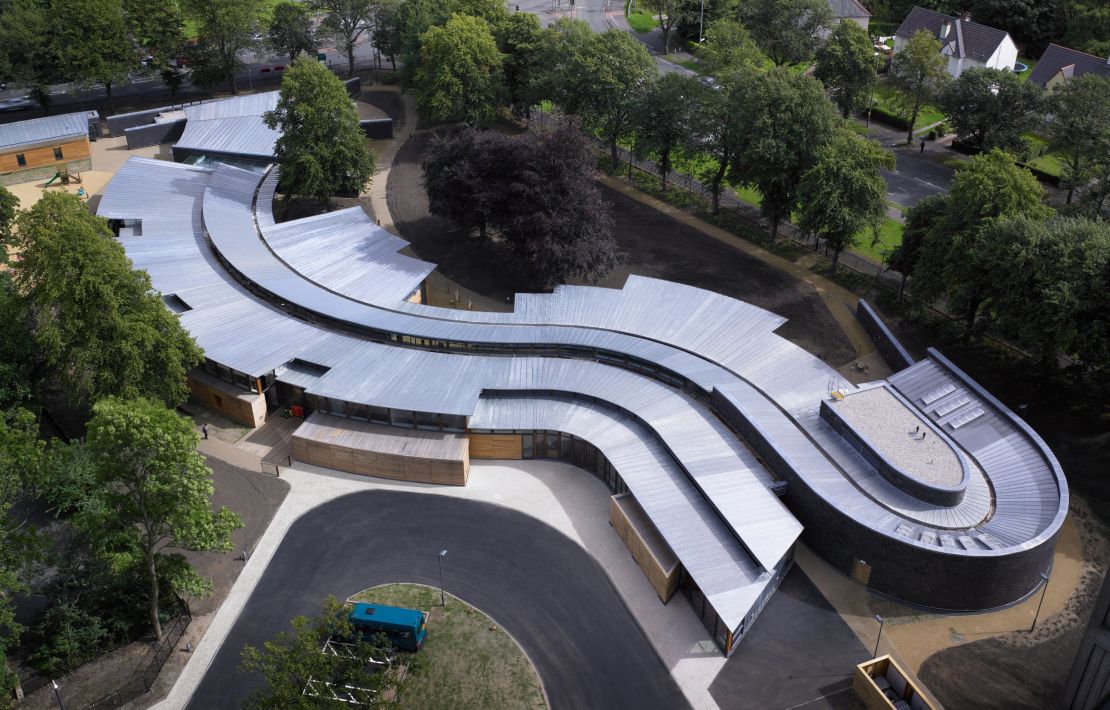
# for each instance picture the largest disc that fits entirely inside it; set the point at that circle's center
(526, 446)
(379, 415)
(401, 418)
(21, 160)
(58, 154)
(359, 411)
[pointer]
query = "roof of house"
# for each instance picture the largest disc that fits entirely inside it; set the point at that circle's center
(1072, 62)
(848, 9)
(967, 39)
(42, 130)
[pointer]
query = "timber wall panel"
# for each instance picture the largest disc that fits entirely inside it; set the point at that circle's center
(44, 155)
(663, 580)
(238, 405)
(495, 446)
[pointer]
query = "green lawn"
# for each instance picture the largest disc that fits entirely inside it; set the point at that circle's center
(639, 21)
(884, 95)
(688, 63)
(467, 661)
(1053, 159)
(1029, 63)
(890, 236)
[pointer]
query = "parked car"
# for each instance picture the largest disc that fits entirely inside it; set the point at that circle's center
(16, 103)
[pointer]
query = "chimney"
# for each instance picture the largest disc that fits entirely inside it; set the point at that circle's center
(965, 16)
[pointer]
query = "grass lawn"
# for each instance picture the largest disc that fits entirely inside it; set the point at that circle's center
(1052, 161)
(688, 63)
(1029, 64)
(639, 21)
(468, 661)
(890, 236)
(884, 95)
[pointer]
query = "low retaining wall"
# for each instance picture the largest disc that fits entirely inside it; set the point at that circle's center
(154, 133)
(892, 351)
(353, 86)
(377, 128)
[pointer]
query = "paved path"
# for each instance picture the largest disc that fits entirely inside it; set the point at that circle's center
(546, 591)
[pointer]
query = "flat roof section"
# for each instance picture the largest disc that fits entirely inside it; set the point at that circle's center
(383, 439)
(896, 433)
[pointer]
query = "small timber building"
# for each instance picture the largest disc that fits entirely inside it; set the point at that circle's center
(721, 442)
(41, 146)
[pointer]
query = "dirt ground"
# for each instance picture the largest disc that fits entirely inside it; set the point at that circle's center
(652, 243)
(255, 497)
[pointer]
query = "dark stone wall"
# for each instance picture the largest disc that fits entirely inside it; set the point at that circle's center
(154, 133)
(121, 122)
(892, 351)
(376, 128)
(911, 573)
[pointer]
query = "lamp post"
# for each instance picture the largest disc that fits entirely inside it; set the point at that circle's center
(57, 696)
(1044, 588)
(442, 599)
(701, 23)
(879, 637)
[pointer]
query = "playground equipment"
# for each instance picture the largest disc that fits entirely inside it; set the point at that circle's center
(65, 177)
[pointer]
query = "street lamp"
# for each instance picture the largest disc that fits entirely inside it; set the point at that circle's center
(57, 696)
(879, 637)
(442, 599)
(701, 23)
(1044, 588)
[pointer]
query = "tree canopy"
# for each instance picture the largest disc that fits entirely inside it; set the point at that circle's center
(718, 128)
(290, 30)
(226, 29)
(346, 21)
(520, 40)
(100, 327)
(788, 31)
(459, 76)
(152, 496)
(990, 108)
(668, 13)
(846, 65)
(728, 47)
(918, 74)
(1081, 124)
(322, 148)
(844, 195)
(664, 119)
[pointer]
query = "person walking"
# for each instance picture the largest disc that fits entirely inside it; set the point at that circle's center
(922, 145)
(204, 429)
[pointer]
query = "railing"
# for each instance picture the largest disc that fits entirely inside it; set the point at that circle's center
(147, 672)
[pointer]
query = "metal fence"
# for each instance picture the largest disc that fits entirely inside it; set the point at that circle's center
(731, 202)
(142, 680)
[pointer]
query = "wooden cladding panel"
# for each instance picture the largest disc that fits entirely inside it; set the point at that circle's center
(452, 472)
(244, 407)
(663, 581)
(44, 155)
(495, 446)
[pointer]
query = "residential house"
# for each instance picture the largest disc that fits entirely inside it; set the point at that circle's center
(1059, 64)
(851, 10)
(966, 44)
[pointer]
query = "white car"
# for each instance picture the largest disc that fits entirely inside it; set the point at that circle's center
(17, 103)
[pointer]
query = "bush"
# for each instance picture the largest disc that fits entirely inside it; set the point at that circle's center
(67, 637)
(878, 113)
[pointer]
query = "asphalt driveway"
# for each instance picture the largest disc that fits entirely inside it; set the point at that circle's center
(537, 584)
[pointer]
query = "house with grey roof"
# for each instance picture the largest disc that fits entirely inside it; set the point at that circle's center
(851, 10)
(1059, 65)
(964, 43)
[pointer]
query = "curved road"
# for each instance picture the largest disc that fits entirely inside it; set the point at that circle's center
(536, 583)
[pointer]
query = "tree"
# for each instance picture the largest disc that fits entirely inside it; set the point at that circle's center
(386, 31)
(1081, 124)
(290, 30)
(520, 40)
(788, 31)
(990, 108)
(728, 47)
(291, 659)
(564, 52)
(9, 207)
(846, 65)
(843, 194)
(1052, 273)
(918, 74)
(226, 29)
(788, 119)
(18, 355)
(560, 227)
(153, 496)
(100, 327)
(920, 219)
(346, 21)
(1032, 23)
(668, 13)
(718, 129)
(157, 26)
(470, 177)
(663, 119)
(602, 84)
(1088, 26)
(322, 148)
(28, 43)
(459, 76)
(92, 42)
(954, 258)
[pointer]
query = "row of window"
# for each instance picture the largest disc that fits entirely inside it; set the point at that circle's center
(581, 453)
(225, 373)
(21, 158)
(404, 418)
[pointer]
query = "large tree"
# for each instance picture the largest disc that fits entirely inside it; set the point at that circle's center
(846, 64)
(100, 327)
(28, 44)
(844, 195)
(990, 108)
(920, 219)
(290, 30)
(153, 497)
(520, 40)
(322, 148)
(663, 119)
(918, 74)
(459, 77)
(346, 21)
(788, 119)
(1032, 23)
(728, 47)
(954, 257)
(157, 26)
(668, 13)
(1080, 111)
(292, 660)
(226, 30)
(718, 130)
(788, 31)
(93, 44)
(386, 32)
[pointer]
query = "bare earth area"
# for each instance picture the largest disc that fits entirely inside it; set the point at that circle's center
(255, 497)
(653, 244)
